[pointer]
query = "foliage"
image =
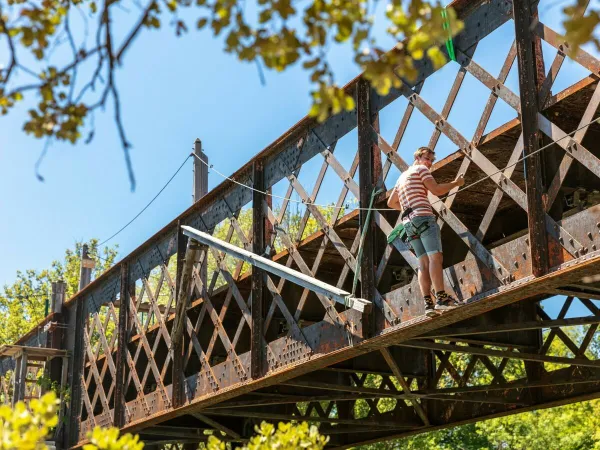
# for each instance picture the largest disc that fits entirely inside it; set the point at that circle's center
(569, 427)
(47, 384)
(276, 34)
(67, 79)
(108, 439)
(286, 436)
(23, 302)
(26, 428)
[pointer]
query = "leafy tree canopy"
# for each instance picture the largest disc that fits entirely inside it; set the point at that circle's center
(50, 61)
(23, 302)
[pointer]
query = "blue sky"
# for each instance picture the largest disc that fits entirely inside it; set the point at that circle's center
(174, 90)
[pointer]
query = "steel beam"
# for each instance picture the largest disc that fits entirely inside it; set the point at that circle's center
(122, 341)
(257, 349)
(520, 326)
(367, 165)
(177, 346)
(584, 362)
(280, 270)
(526, 63)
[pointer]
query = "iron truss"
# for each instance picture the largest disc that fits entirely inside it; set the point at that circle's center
(256, 347)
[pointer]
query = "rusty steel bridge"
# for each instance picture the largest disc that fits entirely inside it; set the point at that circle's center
(172, 348)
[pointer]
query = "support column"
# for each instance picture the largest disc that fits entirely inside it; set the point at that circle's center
(200, 190)
(528, 70)
(122, 341)
(200, 172)
(367, 184)
(20, 377)
(55, 335)
(179, 324)
(86, 266)
(80, 321)
(257, 351)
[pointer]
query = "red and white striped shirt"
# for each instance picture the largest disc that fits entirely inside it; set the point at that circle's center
(412, 192)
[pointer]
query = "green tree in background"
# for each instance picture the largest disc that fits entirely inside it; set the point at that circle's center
(23, 302)
(570, 427)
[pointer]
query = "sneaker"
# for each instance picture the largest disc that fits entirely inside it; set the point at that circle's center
(430, 310)
(445, 305)
(443, 298)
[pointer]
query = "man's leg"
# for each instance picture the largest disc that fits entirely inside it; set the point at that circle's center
(432, 243)
(436, 270)
(425, 285)
(424, 276)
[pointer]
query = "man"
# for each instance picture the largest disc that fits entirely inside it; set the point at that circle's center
(410, 197)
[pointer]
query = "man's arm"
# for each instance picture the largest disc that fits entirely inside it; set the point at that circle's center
(443, 188)
(393, 201)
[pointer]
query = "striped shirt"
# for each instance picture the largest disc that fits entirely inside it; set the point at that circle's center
(412, 192)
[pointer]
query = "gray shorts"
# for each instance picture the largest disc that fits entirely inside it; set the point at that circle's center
(428, 241)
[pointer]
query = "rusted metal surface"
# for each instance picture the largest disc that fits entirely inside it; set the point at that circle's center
(258, 353)
(237, 364)
(528, 54)
(367, 167)
(122, 342)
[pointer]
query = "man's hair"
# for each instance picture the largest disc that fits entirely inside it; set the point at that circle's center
(423, 151)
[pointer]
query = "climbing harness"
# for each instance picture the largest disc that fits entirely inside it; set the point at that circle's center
(449, 42)
(401, 232)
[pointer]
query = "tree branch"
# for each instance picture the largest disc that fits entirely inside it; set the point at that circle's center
(11, 47)
(134, 32)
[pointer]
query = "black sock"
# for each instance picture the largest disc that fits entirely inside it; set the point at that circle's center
(428, 300)
(441, 295)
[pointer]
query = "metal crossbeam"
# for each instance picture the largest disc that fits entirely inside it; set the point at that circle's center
(339, 295)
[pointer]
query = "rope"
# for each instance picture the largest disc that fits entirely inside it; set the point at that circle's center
(146, 207)
(363, 235)
(441, 200)
(449, 41)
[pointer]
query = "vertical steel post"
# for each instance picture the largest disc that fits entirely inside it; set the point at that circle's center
(257, 351)
(179, 324)
(200, 172)
(77, 361)
(367, 185)
(55, 335)
(528, 73)
(200, 190)
(86, 266)
(122, 341)
(58, 296)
